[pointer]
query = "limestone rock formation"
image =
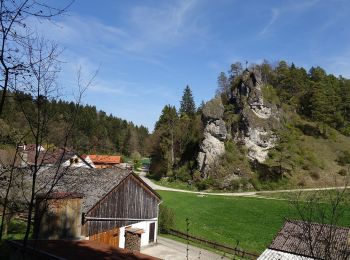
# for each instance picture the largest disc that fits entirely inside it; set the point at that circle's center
(215, 134)
(258, 118)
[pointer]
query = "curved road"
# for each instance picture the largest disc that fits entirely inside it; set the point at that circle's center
(154, 186)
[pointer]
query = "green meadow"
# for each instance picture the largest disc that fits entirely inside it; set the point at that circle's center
(253, 222)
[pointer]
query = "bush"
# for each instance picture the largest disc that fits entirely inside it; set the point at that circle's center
(197, 176)
(343, 172)
(235, 184)
(166, 219)
(344, 158)
(315, 175)
(183, 174)
(244, 183)
(204, 184)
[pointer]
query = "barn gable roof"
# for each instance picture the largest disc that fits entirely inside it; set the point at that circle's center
(143, 184)
(95, 184)
(295, 236)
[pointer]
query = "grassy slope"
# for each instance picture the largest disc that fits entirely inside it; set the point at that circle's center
(252, 221)
(325, 152)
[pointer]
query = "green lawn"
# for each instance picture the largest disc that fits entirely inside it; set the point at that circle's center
(322, 195)
(252, 221)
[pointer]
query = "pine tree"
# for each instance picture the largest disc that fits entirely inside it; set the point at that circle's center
(187, 105)
(223, 85)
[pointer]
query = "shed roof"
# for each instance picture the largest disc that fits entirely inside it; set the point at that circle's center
(295, 237)
(95, 184)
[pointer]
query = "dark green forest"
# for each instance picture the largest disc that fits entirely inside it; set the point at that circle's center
(93, 131)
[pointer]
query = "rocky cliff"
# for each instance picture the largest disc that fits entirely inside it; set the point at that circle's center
(255, 127)
(215, 134)
(258, 118)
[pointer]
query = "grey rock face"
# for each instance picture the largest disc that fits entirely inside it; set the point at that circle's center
(258, 117)
(217, 129)
(215, 133)
(213, 109)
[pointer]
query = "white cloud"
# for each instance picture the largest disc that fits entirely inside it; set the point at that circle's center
(168, 24)
(274, 16)
(294, 7)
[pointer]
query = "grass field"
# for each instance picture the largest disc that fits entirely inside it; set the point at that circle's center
(251, 221)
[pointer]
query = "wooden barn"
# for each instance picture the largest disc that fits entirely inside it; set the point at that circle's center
(118, 207)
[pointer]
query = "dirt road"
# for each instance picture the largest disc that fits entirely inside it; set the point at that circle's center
(246, 193)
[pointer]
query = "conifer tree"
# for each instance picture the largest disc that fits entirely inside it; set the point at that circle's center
(187, 105)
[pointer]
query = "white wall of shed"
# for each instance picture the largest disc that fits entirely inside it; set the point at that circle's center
(145, 225)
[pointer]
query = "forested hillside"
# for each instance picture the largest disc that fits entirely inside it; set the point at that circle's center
(93, 131)
(270, 126)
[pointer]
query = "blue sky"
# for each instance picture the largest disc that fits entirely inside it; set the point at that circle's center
(148, 51)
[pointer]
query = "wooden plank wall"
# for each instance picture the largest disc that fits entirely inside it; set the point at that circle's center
(110, 237)
(130, 200)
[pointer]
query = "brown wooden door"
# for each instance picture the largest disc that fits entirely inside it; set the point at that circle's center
(152, 228)
(110, 237)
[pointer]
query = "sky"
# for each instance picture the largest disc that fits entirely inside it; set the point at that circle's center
(146, 52)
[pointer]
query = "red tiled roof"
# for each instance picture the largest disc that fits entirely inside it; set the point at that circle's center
(113, 159)
(79, 249)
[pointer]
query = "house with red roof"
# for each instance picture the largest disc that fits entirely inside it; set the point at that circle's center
(103, 161)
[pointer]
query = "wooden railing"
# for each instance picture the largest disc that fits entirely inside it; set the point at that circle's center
(221, 247)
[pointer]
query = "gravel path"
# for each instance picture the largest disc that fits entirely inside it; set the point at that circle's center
(238, 194)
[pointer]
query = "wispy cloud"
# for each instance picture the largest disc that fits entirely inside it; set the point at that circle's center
(274, 16)
(165, 25)
(294, 7)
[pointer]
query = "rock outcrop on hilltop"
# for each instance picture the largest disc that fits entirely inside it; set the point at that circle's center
(215, 134)
(258, 118)
(254, 128)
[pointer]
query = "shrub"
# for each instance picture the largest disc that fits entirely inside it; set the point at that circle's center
(302, 183)
(342, 172)
(315, 175)
(255, 183)
(235, 184)
(204, 184)
(166, 219)
(183, 173)
(344, 158)
(197, 176)
(244, 183)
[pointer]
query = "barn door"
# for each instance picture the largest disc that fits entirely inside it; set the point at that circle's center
(152, 228)
(110, 237)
